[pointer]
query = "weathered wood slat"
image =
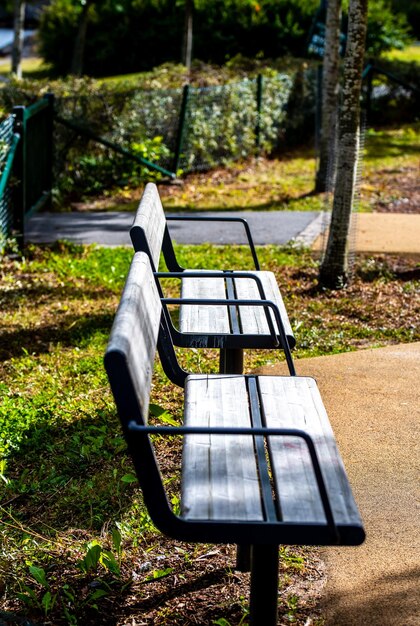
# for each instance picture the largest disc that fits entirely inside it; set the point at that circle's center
(295, 402)
(134, 335)
(149, 222)
(215, 319)
(219, 472)
(199, 318)
(253, 319)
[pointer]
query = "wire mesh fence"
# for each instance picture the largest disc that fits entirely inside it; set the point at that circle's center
(6, 141)
(187, 129)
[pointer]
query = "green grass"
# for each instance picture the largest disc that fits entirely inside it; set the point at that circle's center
(287, 183)
(33, 68)
(411, 54)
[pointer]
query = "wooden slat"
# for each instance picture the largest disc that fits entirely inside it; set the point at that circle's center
(150, 219)
(253, 319)
(295, 402)
(219, 472)
(204, 319)
(215, 319)
(136, 325)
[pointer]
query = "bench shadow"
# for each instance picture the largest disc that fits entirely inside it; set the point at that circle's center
(68, 332)
(394, 600)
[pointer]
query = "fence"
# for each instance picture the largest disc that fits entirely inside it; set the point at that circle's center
(199, 127)
(390, 97)
(25, 166)
(8, 144)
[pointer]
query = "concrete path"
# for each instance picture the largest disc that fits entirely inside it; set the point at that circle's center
(374, 232)
(393, 233)
(112, 228)
(373, 400)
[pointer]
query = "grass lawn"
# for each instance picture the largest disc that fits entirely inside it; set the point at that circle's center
(76, 544)
(390, 166)
(32, 67)
(410, 54)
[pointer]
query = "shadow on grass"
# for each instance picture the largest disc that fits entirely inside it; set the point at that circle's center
(68, 332)
(75, 473)
(280, 205)
(382, 148)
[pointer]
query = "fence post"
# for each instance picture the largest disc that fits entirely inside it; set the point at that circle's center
(50, 143)
(259, 107)
(181, 127)
(19, 192)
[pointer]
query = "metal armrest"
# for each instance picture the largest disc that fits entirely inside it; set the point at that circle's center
(263, 303)
(254, 431)
(222, 274)
(241, 220)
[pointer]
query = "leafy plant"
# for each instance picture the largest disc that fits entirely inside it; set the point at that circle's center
(29, 596)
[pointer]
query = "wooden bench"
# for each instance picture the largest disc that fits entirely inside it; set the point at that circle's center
(259, 465)
(231, 329)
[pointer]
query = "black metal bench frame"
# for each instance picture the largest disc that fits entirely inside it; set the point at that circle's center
(130, 375)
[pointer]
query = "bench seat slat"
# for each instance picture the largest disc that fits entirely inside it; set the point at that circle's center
(214, 319)
(204, 319)
(253, 319)
(295, 402)
(219, 473)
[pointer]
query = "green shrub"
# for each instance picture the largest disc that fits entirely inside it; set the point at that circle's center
(129, 36)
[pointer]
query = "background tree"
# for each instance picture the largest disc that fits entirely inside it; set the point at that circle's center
(334, 268)
(19, 7)
(330, 93)
(187, 42)
(80, 39)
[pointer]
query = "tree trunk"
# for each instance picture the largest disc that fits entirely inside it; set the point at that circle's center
(188, 34)
(80, 41)
(330, 89)
(334, 268)
(17, 48)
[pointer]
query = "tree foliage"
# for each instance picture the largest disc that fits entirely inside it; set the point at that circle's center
(134, 35)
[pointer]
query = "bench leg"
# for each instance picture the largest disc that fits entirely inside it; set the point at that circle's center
(231, 361)
(264, 585)
(243, 558)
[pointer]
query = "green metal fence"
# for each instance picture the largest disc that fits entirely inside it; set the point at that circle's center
(8, 144)
(33, 160)
(25, 166)
(200, 127)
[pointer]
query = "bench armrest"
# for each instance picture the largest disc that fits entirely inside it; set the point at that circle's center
(215, 274)
(256, 432)
(230, 302)
(241, 220)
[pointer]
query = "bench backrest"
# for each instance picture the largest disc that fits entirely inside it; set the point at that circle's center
(131, 350)
(149, 225)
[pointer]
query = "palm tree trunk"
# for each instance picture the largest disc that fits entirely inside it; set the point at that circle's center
(17, 48)
(330, 89)
(334, 268)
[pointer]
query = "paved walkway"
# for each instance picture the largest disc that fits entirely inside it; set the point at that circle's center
(112, 228)
(374, 232)
(373, 401)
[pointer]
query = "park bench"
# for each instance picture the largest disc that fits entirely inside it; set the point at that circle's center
(259, 466)
(231, 329)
